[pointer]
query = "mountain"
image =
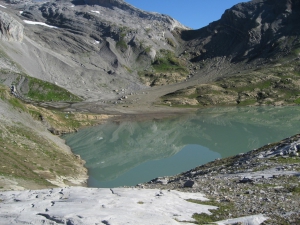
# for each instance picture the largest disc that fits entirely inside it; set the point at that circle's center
(88, 47)
(252, 54)
(259, 30)
(105, 49)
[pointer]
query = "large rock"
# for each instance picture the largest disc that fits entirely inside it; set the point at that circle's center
(10, 29)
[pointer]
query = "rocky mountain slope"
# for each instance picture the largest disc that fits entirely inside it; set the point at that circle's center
(260, 39)
(89, 47)
(108, 50)
(258, 30)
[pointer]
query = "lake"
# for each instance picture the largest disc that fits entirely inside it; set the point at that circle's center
(130, 152)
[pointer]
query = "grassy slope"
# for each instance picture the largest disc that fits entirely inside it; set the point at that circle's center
(44, 91)
(273, 85)
(166, 69)
(28, 155)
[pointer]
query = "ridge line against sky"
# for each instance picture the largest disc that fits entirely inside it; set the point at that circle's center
(192, 13)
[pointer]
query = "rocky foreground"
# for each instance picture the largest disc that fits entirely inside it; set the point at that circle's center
(264, 181)
(258, 187)
(104, 206)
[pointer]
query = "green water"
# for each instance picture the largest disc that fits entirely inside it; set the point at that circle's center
(128, 153)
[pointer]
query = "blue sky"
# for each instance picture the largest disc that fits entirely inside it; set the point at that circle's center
(192, 13)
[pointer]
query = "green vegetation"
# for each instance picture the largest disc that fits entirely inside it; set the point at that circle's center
(44, 91)
(128, 69)
(27, 155)
(122, 45)
(166, 69)
(167, 62)
(273, 85)
(223, 211)
(286, 160)
(16, 103)
(295, 189)
(147, 49)
(171, 42)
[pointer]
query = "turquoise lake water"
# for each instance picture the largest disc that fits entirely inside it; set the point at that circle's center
(127, 153)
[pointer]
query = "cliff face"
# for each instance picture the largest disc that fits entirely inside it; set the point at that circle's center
(256, 29)
(10, 29)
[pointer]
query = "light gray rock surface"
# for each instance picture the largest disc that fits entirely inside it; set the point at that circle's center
(249, 220)
(10, 28)
(99, 206)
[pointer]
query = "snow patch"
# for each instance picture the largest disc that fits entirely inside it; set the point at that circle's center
(38, 23)
(95, 11)
(21, 12)
(3, 6)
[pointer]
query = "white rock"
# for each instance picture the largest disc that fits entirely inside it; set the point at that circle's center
(249, 220)
(92, 205)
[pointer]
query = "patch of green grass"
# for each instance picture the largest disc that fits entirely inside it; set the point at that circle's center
(122, 44)
(66, 119)
(297, 101)
(171, 42)
(295, 190)
(147, 49)
(16, 103)
(286, 160)
(247, 102)
(128, 69)
(192, 96)
(3, 91)
(167, 62)
(223, 211)
(44, 91)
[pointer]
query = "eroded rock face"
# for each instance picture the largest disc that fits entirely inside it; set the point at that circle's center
(10, 29)
(251, 30)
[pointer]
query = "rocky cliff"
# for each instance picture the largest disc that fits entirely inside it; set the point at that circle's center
(258, 29)
(10, 29)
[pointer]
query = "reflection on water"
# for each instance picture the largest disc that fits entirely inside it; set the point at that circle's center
(127, 153)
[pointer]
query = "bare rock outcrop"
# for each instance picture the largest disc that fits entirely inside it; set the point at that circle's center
(248, 31)
(10, 29)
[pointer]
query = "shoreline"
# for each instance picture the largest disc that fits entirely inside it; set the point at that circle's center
(120, 119)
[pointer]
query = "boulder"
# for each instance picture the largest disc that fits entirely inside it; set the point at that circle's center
(246, 180)
(189, 184)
